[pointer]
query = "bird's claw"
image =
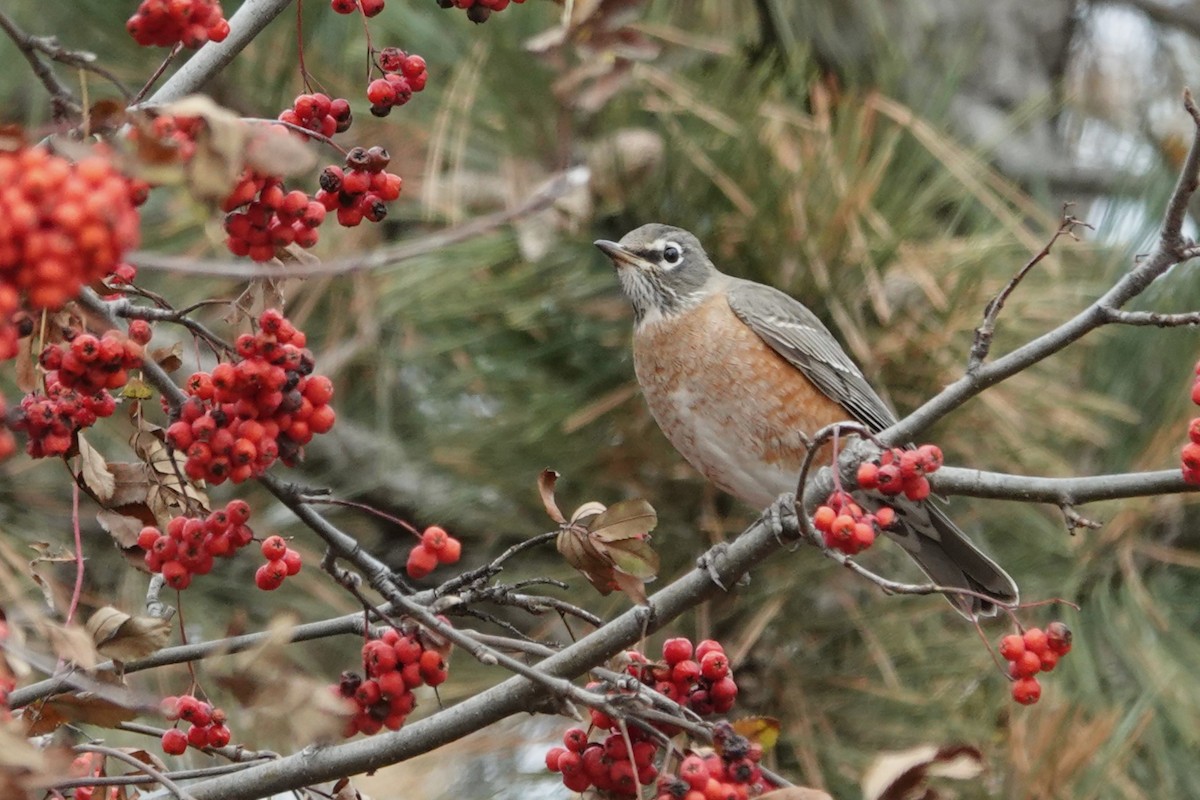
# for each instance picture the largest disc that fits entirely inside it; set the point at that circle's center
(781, 518)
(709, 563)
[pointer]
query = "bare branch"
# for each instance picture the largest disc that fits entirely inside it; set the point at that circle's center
(1170, 249)
(987, 328)
(1144, 318)
(120, 755)
(62, 99)
(1059, 491)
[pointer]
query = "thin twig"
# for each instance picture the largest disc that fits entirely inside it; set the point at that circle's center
(1147, 318)
(62, 99)
(120, 755)
(987, 328)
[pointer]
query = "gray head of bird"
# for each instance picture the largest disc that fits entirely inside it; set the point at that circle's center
(663, 270)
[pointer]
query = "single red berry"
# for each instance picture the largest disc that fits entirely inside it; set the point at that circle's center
(1026, 691)
(1036, 640)
(140, 331)
(270, 576)
(1012, 647)
(174, 742)
(693, 770)
(292, 560)
(1027, 665)
(434, 538)
(1049, 660)
(575, 739)
(868, 475)
(823, 518)
(421, 562)
(707, 646)
(381, 93)
(677, 649)
(714, 666)
(450, 552)
(274, 548)
(148, 536)
(552, 757)
(1058, 638)
(219, 736)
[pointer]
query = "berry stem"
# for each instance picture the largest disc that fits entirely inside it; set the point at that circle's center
(300, 45)
(298, 129)
(362, 507)
(75, 594)
(153, 79)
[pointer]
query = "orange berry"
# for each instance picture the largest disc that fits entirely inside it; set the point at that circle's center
(1026, 691)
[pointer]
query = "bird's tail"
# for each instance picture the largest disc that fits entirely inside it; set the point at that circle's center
(944, 553)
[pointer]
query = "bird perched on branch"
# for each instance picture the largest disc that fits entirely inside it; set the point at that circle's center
(738, 375)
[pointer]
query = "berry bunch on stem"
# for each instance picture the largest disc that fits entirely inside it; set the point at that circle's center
(320, 113)
(207, 726)
(901, 471)
(164, 23)
(282, 563)
(264, 217)
(403, 74)
(189, 545)
(394, 665)
(436, 547)
(1032, 652)
(845, 526)
(63, 225)
(362, 189)
(698, 677)
(244, 415)
(732, 773)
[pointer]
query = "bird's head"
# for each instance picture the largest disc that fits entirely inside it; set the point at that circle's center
(663, 270)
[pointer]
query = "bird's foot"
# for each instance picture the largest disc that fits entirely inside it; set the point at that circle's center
(710, 563)
(781, 518)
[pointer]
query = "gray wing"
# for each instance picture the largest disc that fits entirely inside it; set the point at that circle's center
(795, 333)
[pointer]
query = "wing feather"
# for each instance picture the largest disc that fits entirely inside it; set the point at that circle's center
(795, 333)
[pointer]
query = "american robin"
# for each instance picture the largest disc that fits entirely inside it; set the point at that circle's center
(738, 374)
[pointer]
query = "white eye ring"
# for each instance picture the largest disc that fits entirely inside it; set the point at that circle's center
(672, 253)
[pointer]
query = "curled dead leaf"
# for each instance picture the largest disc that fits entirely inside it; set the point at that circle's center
(546, 481)
(81, 708)
(71, 643)
(122, 637)
(93, 469)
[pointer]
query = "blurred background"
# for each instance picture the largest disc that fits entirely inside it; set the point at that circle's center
(891, 163)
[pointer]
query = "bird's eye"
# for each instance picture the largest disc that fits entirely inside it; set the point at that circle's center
(672, 253)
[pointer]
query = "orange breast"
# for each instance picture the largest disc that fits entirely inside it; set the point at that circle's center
(732, 406)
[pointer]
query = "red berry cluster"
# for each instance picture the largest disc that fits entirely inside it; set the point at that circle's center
(264, 217)
(62, 226)
(282, 563)
(734, 774)
(190, 544)
(610, 765)
(900, 470)
(403, 74)
(362, 189)
(846, 527)
(207, 727)
(436, 547)
(244, 415)
(1190, 456)
(89, 364)
(395, 664)
(165, 23)
(71, 401)
(1030, 653)
(478, 10)
(319, 113)
(369, 7)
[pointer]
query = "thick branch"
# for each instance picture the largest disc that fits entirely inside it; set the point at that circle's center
(1069, 491)
(513, 696)
(1170, 249)
(245, 24)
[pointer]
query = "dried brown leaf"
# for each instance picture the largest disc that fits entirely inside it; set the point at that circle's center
(122, 528)
(273, 150)
(122, 637)
(26, 373)
(170, 358)
(546, 481)
(84, 708)
(71, 643)
(131, 483)
(93, 469)
(219, 157)
(627, 519)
